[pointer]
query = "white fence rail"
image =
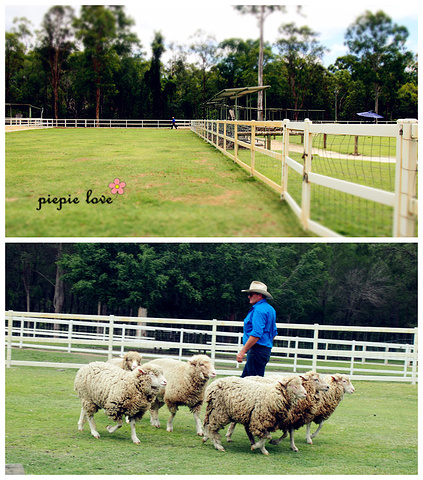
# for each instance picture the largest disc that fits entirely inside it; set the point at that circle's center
(388, 359)
(339, 175)
(13, 124)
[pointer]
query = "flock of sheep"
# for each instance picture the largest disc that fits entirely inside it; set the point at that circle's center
(124, 387)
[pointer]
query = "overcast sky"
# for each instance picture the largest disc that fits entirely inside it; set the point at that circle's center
(179, 20)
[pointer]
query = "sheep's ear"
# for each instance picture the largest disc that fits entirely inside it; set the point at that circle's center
(303, 378)
(140, 371)
(283, 384)
(335, 379)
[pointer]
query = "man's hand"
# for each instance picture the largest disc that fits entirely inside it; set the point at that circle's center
(240, 356)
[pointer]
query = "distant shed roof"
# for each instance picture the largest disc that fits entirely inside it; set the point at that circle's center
(233, 93)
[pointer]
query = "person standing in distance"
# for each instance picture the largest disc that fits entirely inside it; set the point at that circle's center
(259, 331)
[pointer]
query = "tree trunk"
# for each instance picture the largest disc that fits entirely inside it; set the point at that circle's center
(59, 292)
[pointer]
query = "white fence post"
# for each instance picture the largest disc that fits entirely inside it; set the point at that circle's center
(213, 340)
(111, 331)
(405, 209)
(181, 343)
(306, 185)
(9, 317)
(70, 331)
(285, 152)
(315, 347)
(415, 357)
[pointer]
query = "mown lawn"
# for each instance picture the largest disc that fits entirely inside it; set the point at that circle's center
(176, 186)
(373, 431)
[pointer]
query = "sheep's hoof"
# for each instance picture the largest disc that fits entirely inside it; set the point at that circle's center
(200, 434)
(295, 449)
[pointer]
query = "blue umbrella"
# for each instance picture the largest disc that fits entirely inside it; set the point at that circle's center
(369, 114)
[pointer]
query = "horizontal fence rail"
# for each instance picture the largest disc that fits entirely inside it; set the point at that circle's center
(13, 124)
(339, 179)
(365, 353)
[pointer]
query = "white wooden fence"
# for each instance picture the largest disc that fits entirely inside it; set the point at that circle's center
(309, 348)
(13, 124)
(339, 172)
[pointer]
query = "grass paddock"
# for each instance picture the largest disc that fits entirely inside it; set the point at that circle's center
(373, 431)
(176, 186)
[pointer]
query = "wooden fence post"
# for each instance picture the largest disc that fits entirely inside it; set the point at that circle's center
(253, 150)
(306, 186)
(285, 153)
(405, 209)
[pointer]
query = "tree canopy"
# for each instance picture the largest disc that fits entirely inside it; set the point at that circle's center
(93, 65)
(342, 284)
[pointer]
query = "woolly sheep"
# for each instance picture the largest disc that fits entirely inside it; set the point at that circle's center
(129, 361)
(118, 392)
(339, 385)
(186, 384)
(301, 413)
(258, 406)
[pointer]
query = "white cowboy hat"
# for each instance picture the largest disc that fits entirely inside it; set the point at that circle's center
(258, 287)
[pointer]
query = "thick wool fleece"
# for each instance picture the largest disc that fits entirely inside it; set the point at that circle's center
(328, 401)
(186, 382)
(119, 392)
(260, 407)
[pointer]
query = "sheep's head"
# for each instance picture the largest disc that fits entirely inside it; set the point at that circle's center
(344, 381)
(204, 365)
(316, 380)
(155, 373)
(295, 387)
(132, 360)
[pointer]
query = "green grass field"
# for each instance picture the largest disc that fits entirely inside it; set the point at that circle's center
(176, 186)
(372, 432)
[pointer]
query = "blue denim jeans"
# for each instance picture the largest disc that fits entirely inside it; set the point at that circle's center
(257, 358)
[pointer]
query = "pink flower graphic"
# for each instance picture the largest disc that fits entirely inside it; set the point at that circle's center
(117, 186)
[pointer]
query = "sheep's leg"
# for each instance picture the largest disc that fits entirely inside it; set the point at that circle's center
(249, 435)
(277, 441)
(198, 423)
(230, 431)
(308, 436)
(134, 437)
(82, 420)
(215, 436)
(154, 417)
(260, 445)
(206, 433)
(111, 429)
(314, 435)
(169, 427)
(93, 428)
(291, 437)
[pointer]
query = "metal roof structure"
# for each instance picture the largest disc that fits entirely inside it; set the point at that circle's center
(234, 93)
(223, 99)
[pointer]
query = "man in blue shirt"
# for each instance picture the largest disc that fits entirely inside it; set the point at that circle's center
(259, 331)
